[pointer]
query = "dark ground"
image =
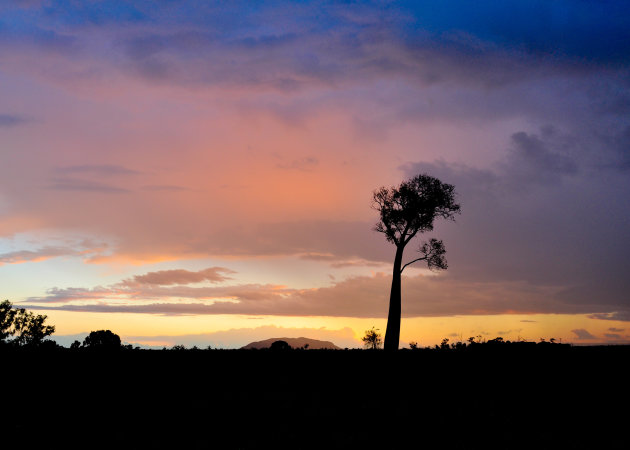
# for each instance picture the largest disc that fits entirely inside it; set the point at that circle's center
(504, 398)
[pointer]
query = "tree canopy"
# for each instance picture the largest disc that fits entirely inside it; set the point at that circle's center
(412, 207)
(102, 339)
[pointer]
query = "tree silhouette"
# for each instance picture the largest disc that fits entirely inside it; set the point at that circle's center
(102, 339)
(28, 328)
(406, 211)
(372, 339)
(7, 313)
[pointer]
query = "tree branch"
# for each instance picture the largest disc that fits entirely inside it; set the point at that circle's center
(411, 236)
(411, 262)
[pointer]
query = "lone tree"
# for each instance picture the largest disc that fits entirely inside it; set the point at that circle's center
(406, 211)
(102, 340)
(372, 339)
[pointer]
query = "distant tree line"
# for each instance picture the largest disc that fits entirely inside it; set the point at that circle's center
(373, 340)
(479, 341)
(20, 328)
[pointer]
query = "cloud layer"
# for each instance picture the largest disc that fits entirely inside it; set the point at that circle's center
(193, 130)
(359, 296)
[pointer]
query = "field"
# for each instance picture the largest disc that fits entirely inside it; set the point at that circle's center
(552, 397)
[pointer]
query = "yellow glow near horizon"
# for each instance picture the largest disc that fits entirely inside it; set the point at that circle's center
(427, 331)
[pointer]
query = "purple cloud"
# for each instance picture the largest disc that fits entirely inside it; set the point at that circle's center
(583, 334)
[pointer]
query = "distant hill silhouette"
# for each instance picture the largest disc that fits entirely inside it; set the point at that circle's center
(313, 344)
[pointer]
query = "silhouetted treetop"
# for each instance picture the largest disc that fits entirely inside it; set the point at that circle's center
(102, 339)
(413, 206)
(372, 339)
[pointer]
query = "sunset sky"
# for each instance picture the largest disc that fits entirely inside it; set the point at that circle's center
(201, 173)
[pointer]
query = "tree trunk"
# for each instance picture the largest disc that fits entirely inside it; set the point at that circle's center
(392, 333)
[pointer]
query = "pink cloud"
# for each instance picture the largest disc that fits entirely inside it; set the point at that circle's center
(180, 276)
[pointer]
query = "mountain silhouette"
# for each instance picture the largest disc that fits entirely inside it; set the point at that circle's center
(300, 342)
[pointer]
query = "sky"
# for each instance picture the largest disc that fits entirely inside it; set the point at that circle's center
(201, 173)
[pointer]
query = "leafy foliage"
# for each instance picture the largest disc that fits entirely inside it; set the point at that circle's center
(434, 252)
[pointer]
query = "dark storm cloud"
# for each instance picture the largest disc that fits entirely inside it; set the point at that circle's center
(531, 158)
(419, 41)
(288, 45)
(594, 30)
(546, 213)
